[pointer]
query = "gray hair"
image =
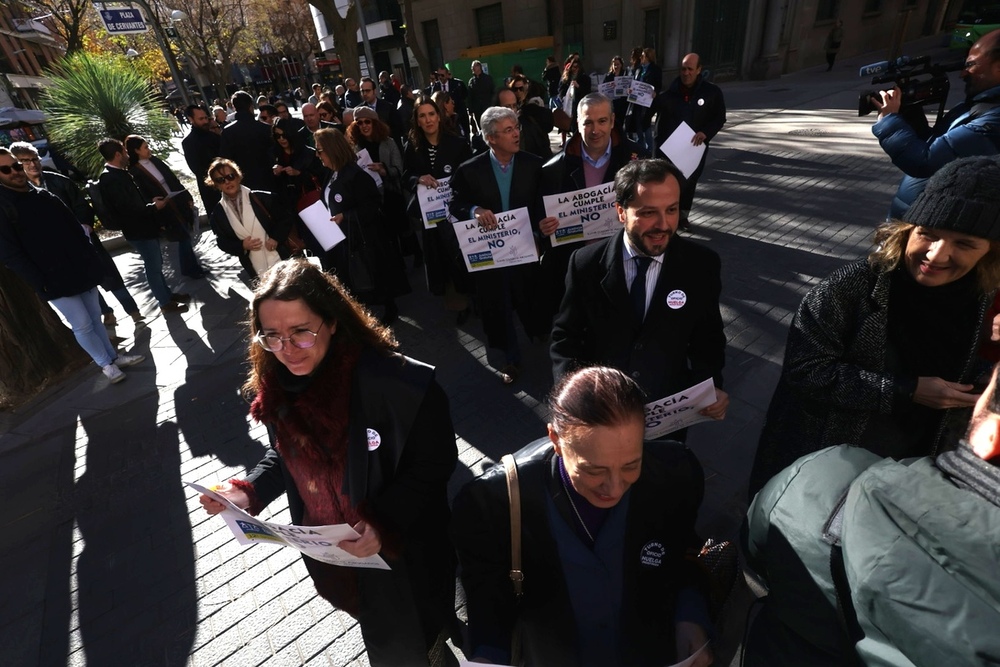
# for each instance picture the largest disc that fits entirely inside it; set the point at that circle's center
(492, 116)
(592, 100)
(23, 147)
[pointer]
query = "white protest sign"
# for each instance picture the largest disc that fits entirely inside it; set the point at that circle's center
(607, 89)
(679, 410)
(583, 214)
(679, 149)
(641, 93)
(365, 159)
(622, 85)
(434, 202)
(317, 542)
(510, 244)
(316, 217)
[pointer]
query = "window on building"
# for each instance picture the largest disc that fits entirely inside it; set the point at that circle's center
(432, 37)
(573, 23)
(827, 10)
(651, 31)
(489, 24)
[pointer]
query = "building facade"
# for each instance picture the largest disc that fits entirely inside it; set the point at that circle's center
(27, 47)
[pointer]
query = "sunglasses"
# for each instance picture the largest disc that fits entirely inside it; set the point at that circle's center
(517, 89)
(364, 121)
(279, 135)
(219, 180)
(7, 169)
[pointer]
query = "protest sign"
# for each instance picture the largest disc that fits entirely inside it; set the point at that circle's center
(510, 244)
(434, 202)
(622, 85)
(679, 410)
(317, 542)
(583, 214)
(641, 93)
(607, 88)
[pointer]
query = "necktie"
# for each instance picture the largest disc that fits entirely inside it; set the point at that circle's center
(637, 293)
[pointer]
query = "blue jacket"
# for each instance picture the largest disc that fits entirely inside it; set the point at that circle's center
(968, 129)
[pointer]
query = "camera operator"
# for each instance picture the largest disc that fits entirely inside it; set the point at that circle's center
(971, 128)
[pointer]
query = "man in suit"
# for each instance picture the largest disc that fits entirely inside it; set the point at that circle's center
(459, 93)
(698, 103)
(591, 157)
(386, 112)
(200, 147)
(503, 179)
(645, 301)
(247, 142)
(127, 210)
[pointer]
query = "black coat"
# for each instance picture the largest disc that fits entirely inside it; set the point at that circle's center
(663, 505)
(403, 483)
(276, 220)
(638, 118)
(178, 214)
(200, 148)
(672, 349)
(247, 142)
(42, 241)
(473, 184)
(704, 110)
(125, 205)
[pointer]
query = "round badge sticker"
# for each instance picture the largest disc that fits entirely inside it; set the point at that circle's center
(677, 299)
(338, 198)
(652, 554)
(701, 101)
(447, 169)
(374, 440)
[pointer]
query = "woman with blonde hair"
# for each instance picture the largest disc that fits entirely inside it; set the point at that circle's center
(885, 353)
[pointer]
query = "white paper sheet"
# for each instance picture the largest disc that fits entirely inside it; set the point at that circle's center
(365, 159)
(641, 93)
(690, 659)
(316, 217)
(679, 149)
(679, 410)
(317, 542)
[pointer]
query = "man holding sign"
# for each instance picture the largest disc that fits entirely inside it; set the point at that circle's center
(591, 157)
(633, 305)
(693, 100)
(482, 189)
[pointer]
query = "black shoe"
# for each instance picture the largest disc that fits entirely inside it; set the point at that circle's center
(684, 224)
(179, 297)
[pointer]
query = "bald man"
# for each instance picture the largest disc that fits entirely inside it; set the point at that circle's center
(971, 128)
(695, 101)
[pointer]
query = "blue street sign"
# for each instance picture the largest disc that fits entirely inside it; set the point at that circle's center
(123, 21)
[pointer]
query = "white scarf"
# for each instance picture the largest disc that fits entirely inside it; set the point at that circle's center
(249, 226)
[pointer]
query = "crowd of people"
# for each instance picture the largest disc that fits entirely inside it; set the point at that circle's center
(579, 548)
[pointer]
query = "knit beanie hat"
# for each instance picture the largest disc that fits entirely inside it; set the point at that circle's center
(963, 196)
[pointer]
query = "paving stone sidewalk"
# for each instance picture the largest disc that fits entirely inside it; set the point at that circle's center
(107, 558)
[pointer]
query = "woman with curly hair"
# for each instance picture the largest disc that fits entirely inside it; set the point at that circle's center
(362, 435)
(884, 354)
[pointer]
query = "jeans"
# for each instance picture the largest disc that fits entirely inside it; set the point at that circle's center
(124, 298)
(186, 258)
(83, 313)
(152, 261)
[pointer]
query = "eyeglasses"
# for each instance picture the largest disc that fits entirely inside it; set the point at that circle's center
(364, 121)
(302, 339)
(6, 169)
(219, 180)
(22, 160)
(517, 89)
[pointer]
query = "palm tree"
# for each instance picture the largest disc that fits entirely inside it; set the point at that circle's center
(92, 97)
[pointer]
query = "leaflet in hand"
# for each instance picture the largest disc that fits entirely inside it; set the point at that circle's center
(678, 147)
(316, 217)
(317, 542)
(679, 410)
(583, 214)
(365, 159)
(641, 93)
(434, 202)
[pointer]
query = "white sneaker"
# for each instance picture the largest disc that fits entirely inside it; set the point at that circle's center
(126, 360)
(113, 373)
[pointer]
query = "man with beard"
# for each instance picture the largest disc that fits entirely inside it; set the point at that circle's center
(971, 128)
(632, 305)
(200, 147)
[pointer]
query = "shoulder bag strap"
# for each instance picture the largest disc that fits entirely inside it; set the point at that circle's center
(514, 496)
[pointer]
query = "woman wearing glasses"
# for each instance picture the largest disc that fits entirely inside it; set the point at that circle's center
(298, 172)
(362, 435)
(247, 224)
